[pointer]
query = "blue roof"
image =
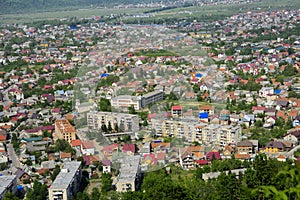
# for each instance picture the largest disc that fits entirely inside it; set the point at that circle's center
(199, 75)
(203, 115)
(73, 27)
(104, 75)
(20, 187)
(59, 92)
(32, 158)
(277, 91)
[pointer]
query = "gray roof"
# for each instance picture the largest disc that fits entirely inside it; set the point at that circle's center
(150, 94)
(5, 181)
(48, 164)
(129, 168)
(66, 175)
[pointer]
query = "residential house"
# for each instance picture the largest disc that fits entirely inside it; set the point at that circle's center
(109, 150)
(176, 111)
(187, 160)
(274, 147)
(91, 159)
(207, 109)
(22, 175)
(106, 166)
(65, 157)
(128, 149)
(87, 148)
(293, 136)
(227, 151)
(266, 91)
(213, 155)
(244, 147)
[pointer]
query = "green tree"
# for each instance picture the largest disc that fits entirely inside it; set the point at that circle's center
(104, 105)
(10, 196)
(95, 194)
(109, 128)
(64, 146)
(131, 110)
(106, 182)
(55, 172)
(38, 191)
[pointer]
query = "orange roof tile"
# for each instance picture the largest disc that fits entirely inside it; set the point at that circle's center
(164, 144)
(75, 143)
(65, 155)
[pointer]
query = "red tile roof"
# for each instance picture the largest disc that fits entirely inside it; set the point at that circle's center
(2, 137)
(128, 147)
(87, 144)
(176, 107)
(75, 143)
(201, 162)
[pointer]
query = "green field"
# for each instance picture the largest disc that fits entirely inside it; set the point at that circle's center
(217, 12)
(79, 13)
(200, 13)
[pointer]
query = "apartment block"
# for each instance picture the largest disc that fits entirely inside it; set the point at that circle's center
(221, 134)
(8, 184)
(64, 130)
(125, 122)
(193, 130)
(67, 182)
(129, 176)
(190, 129)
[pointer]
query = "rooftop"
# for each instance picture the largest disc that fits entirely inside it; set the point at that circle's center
(129, 168)
(66, 175)
(64, 126)
(5, 181)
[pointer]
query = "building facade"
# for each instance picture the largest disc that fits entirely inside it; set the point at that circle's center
(8, 184)
(122, 121)
(152, 97)
(124, 101)
(67, 182)
(129, 176)
(64, 130)
(194, 131)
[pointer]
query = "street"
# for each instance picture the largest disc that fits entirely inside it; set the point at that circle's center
(13, 156)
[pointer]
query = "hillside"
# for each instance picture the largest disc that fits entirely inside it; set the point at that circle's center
(20, 6)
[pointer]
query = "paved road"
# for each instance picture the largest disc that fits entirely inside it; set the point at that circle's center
(13, 156)
(290, 154)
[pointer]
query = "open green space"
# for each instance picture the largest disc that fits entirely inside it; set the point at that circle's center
(199, 13)
(78, 13)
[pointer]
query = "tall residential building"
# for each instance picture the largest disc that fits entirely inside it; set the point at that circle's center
(122, 121)
(64, 130)
(67, 183)
(221, 134)
(190, 129)
(8, 184)
(193, 130)
(129, 176)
